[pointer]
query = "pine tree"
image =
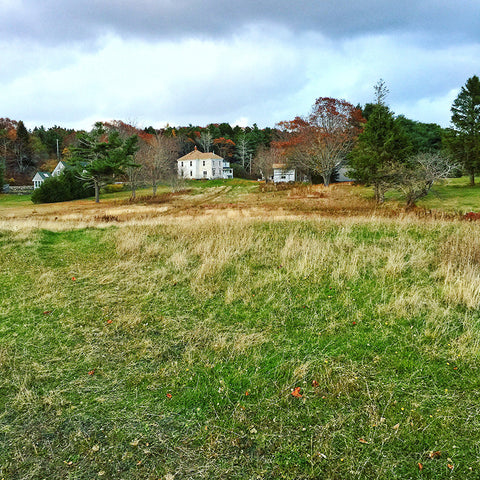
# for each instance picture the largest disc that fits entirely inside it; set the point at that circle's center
(464, 138)
(101, 156)
(380, 146)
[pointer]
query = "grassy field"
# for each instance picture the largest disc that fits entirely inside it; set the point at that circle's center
(229, 333)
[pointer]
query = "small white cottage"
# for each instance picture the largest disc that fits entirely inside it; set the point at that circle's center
(59, 168)
(40, 177)
(198, 165)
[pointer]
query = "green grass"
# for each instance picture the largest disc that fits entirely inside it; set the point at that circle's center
(456, 195)
(10, 200)
(196, 332)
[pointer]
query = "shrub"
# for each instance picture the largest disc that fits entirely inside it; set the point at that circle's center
(113, 188)
(62, 188)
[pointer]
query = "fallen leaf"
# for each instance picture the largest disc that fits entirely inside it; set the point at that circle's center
(109, 321)
(95, 448)
(169, 395)
(73, 278)
(396, 426)
(315, 383)
(247, 393)
(420, 466)
(450, 466)
(135, 443)
(47, 312)
(362, 440)
(436, 454)
(91, 372)
(354, 323)
(296, 392)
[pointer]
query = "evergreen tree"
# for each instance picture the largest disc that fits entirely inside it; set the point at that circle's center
(464, 139)
(22, 147)
(101, 156)
(381, 145)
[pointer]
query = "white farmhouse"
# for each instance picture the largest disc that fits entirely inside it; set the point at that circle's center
(197, 165)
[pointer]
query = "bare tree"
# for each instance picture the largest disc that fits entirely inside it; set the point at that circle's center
(158, 155)
(416, 178)
(265, 159)
(205, 141)
(243, 151)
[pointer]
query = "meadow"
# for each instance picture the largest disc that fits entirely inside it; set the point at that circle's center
(234, 333)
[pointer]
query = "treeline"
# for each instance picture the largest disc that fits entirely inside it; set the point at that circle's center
(23, 152)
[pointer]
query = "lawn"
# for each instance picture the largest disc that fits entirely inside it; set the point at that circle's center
(205, 340)
(455, 195)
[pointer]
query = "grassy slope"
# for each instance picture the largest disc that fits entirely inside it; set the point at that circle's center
(375, 320)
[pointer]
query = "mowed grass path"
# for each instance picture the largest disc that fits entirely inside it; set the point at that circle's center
(172, 350)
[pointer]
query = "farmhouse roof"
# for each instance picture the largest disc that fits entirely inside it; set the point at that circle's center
(197, 155)
(282, 166)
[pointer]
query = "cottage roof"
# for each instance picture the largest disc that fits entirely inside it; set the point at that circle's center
(43, 175)
(197, 155)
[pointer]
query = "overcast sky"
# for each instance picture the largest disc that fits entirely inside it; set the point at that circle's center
(149, 62)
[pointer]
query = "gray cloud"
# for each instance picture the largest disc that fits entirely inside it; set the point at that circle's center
(74, 62)
(439, 21)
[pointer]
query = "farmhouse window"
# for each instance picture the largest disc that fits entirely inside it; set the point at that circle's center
(205, 173)
(191, 173)
(190, 163)
(204, 163)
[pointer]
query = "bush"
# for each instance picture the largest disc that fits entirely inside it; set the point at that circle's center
(113, 188)
(62, 188)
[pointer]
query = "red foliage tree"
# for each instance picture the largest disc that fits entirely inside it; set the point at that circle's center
(225, 147)
(320, 142)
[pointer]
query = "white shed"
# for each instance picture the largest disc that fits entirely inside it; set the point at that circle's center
(281, 173)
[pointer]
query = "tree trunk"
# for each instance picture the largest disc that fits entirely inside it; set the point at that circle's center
(379, 194)
(472, 178)
(326, 180)
(154, 188)
(97, 191)
(134, 192)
